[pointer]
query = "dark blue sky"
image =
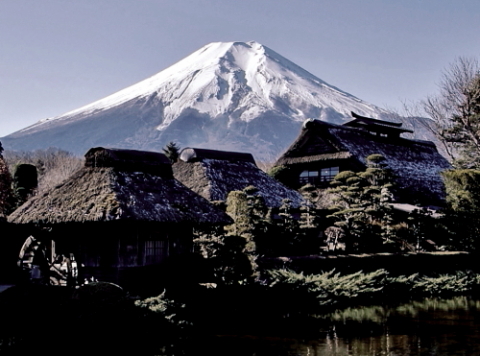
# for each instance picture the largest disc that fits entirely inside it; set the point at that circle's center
(58, 55)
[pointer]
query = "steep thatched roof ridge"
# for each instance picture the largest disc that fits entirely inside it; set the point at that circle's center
(96, 194)
(189, 154)
(214, 179)
(129, 160)
(312, 141)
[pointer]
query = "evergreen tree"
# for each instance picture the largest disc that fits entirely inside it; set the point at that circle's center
(233, 252)
(226, 256)
(362, 208)
(172, 150)
(238, 208)
(249, 213)
(280, 240)
(307, 235)
(287, 221)
(283, 175)
(463, 207)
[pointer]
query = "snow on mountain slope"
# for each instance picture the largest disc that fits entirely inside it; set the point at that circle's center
(235, 95)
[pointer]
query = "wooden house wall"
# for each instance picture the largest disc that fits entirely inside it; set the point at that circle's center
(122, 245)
(104, 250)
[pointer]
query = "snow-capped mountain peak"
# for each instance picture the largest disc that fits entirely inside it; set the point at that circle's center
(210, 78)
(234, 95)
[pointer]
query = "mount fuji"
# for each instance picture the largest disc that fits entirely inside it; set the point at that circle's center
(238, 96)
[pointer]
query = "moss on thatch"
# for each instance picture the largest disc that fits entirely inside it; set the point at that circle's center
(214, 178)
(108, 189)
(315, 158)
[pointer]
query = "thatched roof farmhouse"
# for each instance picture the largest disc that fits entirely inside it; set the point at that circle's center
(213, 174)
(122, 209)
(322, 150)
(119, 185)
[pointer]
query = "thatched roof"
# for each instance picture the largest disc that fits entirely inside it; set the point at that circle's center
(320, 157)
(416, 164)
(213, 174)
(119, 185)
(129, 160)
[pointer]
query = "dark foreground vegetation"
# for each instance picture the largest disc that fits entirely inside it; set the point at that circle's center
(100, 318)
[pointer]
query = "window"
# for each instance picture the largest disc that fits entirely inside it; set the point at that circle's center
(327, 174)
(155, 251)
(308, 177)
(317, 177)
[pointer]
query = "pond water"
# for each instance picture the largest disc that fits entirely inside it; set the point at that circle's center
(433, 327)
(427, 327)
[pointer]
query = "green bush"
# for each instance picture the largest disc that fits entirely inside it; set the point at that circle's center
(330, 288)
(446, 284)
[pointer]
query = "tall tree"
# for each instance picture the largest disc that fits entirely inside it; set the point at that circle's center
(463, 207)
(232, 253)
(456, 112)
(362, 208)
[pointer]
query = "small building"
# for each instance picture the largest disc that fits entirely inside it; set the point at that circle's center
(123, 210)
(322, 150)
(213, 174)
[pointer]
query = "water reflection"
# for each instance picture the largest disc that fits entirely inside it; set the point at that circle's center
(433, 327)
(428, 327)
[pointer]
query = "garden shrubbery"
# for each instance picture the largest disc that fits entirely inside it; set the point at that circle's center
(335, 289)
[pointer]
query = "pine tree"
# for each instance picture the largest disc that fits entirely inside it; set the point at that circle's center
(287, 221)
(238, 208)
(307, 235)
(172, 150)
(463, 207)
(362, 208)
(234, 252)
